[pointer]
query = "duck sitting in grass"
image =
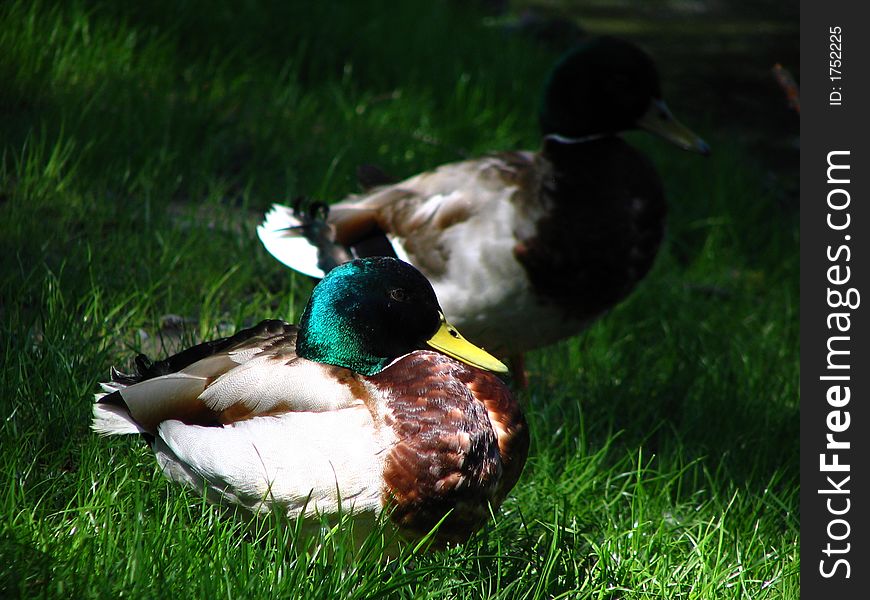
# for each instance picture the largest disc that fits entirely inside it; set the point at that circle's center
(373, 403)
(551, 239)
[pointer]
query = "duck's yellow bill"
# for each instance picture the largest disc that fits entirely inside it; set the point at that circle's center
(449, 341)
(659, 120)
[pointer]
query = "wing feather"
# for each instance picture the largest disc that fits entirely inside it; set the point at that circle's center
(254, 373)
(265, 384)
(406, 219)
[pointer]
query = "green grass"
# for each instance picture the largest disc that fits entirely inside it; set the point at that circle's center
(140, 146)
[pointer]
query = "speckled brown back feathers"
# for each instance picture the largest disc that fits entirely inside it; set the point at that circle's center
(405, 210)
(461, 444)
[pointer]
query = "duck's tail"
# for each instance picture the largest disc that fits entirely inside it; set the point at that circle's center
(302, 239)
(111, 418)
(172, 388)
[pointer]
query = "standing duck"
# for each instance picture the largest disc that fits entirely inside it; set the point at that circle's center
(550, 239)
(373, 403)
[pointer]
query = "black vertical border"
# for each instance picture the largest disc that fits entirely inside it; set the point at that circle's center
(826, 128)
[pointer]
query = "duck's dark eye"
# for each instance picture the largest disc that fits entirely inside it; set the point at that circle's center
(398, 295)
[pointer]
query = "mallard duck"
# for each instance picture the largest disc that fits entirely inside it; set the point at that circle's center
(550, 239)
(373, 403)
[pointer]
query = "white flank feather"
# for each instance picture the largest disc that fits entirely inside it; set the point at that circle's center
(291, 249)
(311, 462)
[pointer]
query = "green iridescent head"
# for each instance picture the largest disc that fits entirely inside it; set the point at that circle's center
(605, 86)
(366, 313)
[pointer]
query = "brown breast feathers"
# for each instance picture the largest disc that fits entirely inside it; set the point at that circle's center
(461, 444)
